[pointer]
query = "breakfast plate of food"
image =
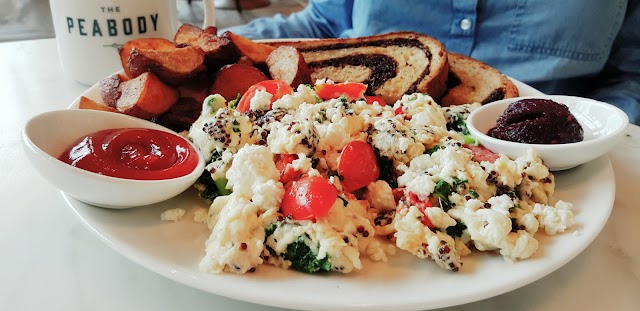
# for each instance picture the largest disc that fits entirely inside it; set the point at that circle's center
(340, 175)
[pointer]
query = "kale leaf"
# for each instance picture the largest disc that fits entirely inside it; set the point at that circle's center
(387, 170)
(209, 189)
(458, 124)
(430, 151)
(303, 259)
(457, 229)
(443, 189)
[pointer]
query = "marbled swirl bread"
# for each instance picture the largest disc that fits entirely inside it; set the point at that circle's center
(471, 80)
(391, 64)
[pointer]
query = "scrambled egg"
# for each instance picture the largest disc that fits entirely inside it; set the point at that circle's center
(470, 205)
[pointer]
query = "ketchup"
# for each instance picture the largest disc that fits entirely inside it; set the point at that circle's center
(133, 153)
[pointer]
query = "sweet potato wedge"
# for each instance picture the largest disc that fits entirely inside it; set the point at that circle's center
(235, 79)
(286, 63)
(146, 96)
(197, 90)
(86, 103)
(110, 89)
(173, 66)
(218, 51)
(257, 52)
(143, 43)
(211, 30)
(181, 115)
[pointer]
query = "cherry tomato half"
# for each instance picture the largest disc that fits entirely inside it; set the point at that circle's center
(357, 165)
(422, 206)
(351, 90)
(277, 88)
(309, 198)
(287, 174)
(481, 153)
(370, 99)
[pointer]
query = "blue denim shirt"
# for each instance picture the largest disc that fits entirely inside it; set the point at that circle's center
(575, 47)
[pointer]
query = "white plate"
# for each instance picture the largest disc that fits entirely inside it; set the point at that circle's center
(404, 283)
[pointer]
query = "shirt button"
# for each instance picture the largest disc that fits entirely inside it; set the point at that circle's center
(465, 24)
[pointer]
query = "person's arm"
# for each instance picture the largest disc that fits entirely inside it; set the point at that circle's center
(320, 19)
(619, 81)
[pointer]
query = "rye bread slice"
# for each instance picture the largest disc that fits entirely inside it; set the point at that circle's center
(471, 81)
(391, 64)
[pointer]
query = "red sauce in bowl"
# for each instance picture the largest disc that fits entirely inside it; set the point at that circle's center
(133, 153)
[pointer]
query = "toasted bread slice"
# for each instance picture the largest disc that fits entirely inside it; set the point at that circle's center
(472, 81)
(391, 64)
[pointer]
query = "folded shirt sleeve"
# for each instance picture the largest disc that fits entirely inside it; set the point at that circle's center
(319, 19)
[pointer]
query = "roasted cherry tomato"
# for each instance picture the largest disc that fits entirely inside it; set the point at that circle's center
(398, 194)
(398, 110)
(351, 90)
(371, 99)
(309, 198)
(276, 88)
(481, 153)
(287, 174)
(422, 206)
(357, 165)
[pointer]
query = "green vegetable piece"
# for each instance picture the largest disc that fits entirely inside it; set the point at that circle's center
(216, 102)
(303, 259)
(209, 190)
(473, 194)
(469, 140)
(457, 229)
(234, 103)
(430, 151)
(443, 189)
(221, 184)
(514, 225)
(458, 124)
(344, 201)
(270, 230)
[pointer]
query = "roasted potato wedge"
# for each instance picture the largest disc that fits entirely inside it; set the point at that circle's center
(286, 63)
(218, 50)
(173, 66)
(235, 79)
(197, 90)
(181, 115)
(211, 30)
(110, 89)
(86, 103)
(146, 96)
(255, 51)
(144, 43)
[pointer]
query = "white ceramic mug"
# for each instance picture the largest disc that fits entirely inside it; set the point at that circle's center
(89, 32)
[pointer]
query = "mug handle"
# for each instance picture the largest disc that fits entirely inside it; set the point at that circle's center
(209, 14)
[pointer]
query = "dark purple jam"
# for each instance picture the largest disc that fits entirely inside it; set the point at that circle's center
(537, 121)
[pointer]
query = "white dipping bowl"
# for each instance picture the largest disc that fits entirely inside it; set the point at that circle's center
(602, 123)
(48, 135)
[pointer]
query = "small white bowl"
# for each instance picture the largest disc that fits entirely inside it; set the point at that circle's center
(48, 135)
(602, 123)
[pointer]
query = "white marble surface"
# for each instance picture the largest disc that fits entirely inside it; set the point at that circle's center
(49, 261)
